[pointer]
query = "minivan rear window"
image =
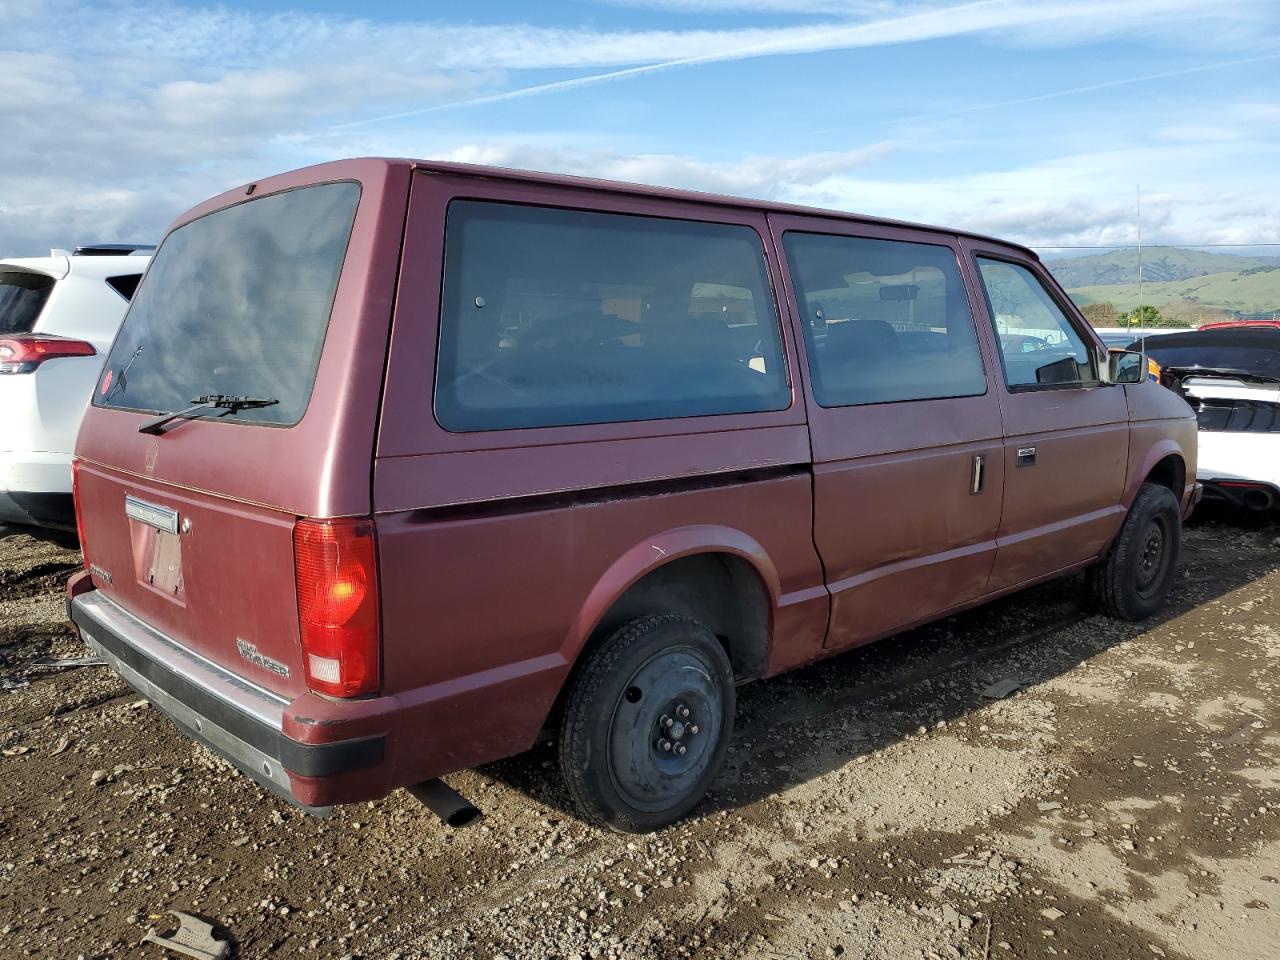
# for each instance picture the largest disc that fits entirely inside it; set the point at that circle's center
(236, 303)
(22, 297)
(552, 317)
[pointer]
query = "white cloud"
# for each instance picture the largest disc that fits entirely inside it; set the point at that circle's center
(1256, 113)
(1051, 22)
(117, 115)
(1090, 197)
(1076, 199)
(766, 177)
(844, 8)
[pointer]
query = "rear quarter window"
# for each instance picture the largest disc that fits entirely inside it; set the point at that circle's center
(553, 317)
(22, 297)
(236, 303)
(125, 285)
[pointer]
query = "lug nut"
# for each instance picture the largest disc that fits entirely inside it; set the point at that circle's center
(665, 722)
(682, 711)
(664, 745)
(692, 728)
(681, 749)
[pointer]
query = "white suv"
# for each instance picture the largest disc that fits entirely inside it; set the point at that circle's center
(58, 316)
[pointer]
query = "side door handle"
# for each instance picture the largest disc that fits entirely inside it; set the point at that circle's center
(1026, 456)
(979, 473)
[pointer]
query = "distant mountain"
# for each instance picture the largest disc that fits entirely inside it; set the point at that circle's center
(1251, 290)
(1159, 265)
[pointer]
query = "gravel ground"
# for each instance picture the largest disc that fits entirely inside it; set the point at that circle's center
(1125, 803)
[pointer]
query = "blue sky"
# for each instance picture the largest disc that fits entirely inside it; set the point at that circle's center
(1031, 119)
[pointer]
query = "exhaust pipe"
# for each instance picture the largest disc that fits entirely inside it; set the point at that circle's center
(446, 803)
(1257, 498)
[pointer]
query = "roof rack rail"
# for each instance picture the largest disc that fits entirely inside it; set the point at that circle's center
(113, 249)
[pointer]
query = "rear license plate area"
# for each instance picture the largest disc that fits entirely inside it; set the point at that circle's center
(157, 547)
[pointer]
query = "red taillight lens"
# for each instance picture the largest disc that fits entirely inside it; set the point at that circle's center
(335, 564)
(75, 498)
(24, 352)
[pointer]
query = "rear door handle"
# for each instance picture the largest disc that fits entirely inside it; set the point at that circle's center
(1026, 456)
(979, 473)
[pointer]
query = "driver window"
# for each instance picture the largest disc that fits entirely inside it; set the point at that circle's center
(1038, 344)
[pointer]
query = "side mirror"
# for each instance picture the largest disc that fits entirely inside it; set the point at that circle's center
(1127, 366)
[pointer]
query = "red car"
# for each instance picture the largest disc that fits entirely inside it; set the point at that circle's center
(396, 467)
(1219, 324)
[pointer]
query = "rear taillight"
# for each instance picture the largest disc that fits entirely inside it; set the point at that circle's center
(75, 498)
(335, 564)
(26, 351)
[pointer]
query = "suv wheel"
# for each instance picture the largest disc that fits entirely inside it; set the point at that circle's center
(646, 723)
(1132, 581)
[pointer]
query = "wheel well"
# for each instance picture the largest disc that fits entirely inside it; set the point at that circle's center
(1170, 472)
(720, 590)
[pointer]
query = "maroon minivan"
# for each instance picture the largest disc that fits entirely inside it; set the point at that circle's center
(396, 467)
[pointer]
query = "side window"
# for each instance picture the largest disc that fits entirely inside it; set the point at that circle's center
(884, 320)
(553, 317)
(1038, 344)
(125, 284)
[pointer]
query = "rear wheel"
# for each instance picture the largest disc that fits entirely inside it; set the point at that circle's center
(1132, 581)
(646, 723)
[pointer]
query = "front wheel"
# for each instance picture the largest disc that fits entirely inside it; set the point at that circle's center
(647, 723)
(1133, 580)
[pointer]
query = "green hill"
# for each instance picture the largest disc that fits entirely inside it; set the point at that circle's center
(1252, 290)
(1159, 264)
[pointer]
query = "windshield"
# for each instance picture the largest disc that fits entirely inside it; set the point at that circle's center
(236, 303)
(22, 297)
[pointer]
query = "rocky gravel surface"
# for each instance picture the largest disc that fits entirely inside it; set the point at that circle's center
(1125, 802)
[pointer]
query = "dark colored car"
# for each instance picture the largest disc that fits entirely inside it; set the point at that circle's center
(1241, 324)
(397, 467)
(1230, 375)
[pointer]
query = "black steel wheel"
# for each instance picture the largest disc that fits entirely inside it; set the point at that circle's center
(1133, 579)
(647, 721)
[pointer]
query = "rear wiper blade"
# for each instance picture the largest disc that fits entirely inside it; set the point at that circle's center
(203, 405)
(124, 373)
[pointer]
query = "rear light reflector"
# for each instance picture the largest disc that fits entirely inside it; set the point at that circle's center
(335, 565)
(24, 352)
(75, 498)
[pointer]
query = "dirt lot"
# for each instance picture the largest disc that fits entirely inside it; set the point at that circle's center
(1124, 804)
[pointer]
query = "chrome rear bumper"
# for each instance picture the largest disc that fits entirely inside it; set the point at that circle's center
(236, 719)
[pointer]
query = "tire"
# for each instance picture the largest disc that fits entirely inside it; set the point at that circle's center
(1132, 580)
(662, 679)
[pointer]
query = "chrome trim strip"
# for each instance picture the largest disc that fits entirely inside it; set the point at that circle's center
(162, 518)
(244, 756)
(234, 690)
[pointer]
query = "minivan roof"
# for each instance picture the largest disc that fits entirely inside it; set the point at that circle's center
(355, 166)
(617, 186)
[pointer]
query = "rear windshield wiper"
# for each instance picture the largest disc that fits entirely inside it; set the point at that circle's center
(120, 380)
(202, 407)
